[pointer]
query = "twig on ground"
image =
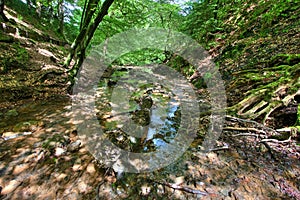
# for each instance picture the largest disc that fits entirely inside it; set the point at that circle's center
(277, 141)
(220, 148)
(181, 188)
(231, 118)
(98, 189)
(244, 129)
(246, 134)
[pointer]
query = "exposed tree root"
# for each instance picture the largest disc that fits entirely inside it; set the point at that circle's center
(249, 126)
(277, 141)
(244, 129)
(269, 89)
(248, 134)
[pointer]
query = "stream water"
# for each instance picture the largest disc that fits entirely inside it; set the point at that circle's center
(132, 124)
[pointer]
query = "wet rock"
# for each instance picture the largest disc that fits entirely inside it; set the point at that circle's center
(11, 186)
(37, 144)
(74, 146)
(120, 138)
(13, 135)
(59, 151)
(27, 126)
(91, 168)
(146, 102)
(132, 139)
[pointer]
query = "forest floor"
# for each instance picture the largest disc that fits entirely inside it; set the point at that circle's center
(42, 156)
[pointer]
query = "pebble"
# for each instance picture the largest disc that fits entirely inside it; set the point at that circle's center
(74, 146)
(59, 151)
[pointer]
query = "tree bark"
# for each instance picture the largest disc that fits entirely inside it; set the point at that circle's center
(93, 28)
(84, 37)
(88, 12)
(61, 15)
(2, 11)
(83, 30)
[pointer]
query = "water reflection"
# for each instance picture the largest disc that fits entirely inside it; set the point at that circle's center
(137, 127)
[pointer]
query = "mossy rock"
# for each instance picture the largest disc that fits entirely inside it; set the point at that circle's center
(26, 126)
(56, 140)
(11, 113)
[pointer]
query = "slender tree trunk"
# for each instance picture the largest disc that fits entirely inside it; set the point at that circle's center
(38, 9)
(83, 13)
(89, 9)
(60, 11)
(91, 31)
(84, 37)
(86, 20)
(2, 11)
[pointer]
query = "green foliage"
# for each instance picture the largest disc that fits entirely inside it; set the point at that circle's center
(12, 113)
(54, 141)
(20, 7)
(209, 20)
(125, 15)
(142, 57)
(203, 21)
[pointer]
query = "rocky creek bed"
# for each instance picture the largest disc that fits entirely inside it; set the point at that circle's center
(43, 157)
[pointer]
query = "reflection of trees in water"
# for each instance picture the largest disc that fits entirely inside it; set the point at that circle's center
(153, 113)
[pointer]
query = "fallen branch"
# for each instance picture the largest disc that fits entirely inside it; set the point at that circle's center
(220, 148)
(277, 141)
(244, 129)
(246, 134)
(181, 188)
(260, 128)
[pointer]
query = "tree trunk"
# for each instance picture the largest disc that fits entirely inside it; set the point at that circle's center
(83, 14)
(88, 12)
(2, 11)
(60, 11)
(31, 3)
(38, 9)
(84, 37)
(91, 31)
(85, 21)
